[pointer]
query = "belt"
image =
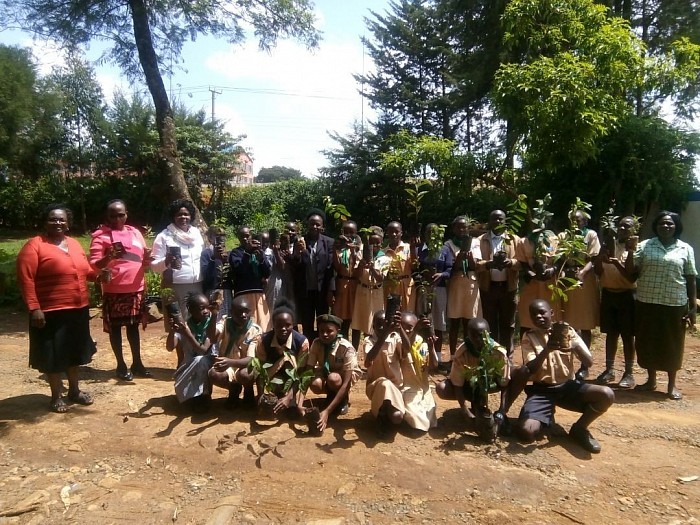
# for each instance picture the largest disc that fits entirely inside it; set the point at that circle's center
(402, 277)
(499, 284)
(371, 286)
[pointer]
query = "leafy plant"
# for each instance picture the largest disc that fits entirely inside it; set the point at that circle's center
(485, 375)
(539, 236)
(434, 240)
(417, 190)
(299, 377)
(259, 371)
(516, 215)
(338, 211)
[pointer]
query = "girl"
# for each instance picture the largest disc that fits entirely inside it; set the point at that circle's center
(399, 271)
(345, 260)
(334, 361)
(369, 296)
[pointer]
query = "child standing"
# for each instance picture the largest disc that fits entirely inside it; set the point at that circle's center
(369, 295)
(345, 260)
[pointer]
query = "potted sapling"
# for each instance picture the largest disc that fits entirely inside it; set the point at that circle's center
(266, 385)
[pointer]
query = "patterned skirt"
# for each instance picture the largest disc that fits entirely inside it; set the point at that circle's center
(123, 309)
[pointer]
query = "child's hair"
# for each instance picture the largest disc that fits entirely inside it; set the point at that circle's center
(376, 230)
(283, 306)
(215, 230)
(192, 297)
(460, 218)
(478, 324)
(316, 211)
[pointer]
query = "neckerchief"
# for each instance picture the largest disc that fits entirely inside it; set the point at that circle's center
(199, 329)
(255, 264)
(327, 350)
(234, 332)
(418, 359)
(181, 236)
(458, 243)
(380, 253)
(345, 257)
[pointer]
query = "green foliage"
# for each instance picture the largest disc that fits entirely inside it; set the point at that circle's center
(336, 211)
(516, 215)
(299, 377)
(416, 193)
(435, 237)
(487, 374)
(259, 371)
(539, 235)
(277, 174)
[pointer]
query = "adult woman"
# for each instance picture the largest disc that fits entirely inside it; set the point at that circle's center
(120, 252)
(666, 295)
(53, 270)
(178, 248)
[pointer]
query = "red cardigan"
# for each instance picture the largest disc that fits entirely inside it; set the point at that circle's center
(52, 279)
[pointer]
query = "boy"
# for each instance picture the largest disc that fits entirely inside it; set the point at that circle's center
(551, 366)
(397, 379)
(510, 382)
(239, 342)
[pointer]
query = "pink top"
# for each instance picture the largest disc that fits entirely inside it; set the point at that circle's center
(128, 270)
(51, 278)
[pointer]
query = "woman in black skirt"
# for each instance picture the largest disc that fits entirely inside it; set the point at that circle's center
(666, 295)
(53, 271)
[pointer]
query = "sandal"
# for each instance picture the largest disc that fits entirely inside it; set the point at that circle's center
(646, 387)
(675, 395)
(82, 398)
(58, 405)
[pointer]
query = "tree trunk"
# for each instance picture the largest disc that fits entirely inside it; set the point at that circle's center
(169, 156)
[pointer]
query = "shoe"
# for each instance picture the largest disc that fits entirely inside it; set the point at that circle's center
(675, 395)
(80, 397)
(627, 380)
(584, 438)
(344, 409)
(140, 371)
(505, 427)
(249, 398)
(125, 375)
(234, 393)
(646, 387)
(606, 377)
(582, 374)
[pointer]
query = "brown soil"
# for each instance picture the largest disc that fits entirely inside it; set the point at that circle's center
(137, 456)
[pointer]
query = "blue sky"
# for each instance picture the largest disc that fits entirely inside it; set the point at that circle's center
(285, 101)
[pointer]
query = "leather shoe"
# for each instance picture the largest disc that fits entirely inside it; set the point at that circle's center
(140, 371)
(584, 438)
(125, 375)
(606, 377)
(627, 381)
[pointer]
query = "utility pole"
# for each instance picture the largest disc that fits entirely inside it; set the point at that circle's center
(214, 92)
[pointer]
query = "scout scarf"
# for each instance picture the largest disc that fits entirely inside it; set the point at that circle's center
(327, 351)
(419, 359)
(199, 329)
(234, 332)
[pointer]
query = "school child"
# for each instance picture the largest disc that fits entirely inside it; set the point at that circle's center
(279, 256)
(239, 341)
(334, 361)
(463, 300)
(347, 252)
(397, 376)
(510, 381)
(369, 295)
(248, 270)
(212, 261)
(550, 360)
(194, 340)
(398, 278)
(281, 347)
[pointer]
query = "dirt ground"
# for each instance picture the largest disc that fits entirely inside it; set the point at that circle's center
(137, 456)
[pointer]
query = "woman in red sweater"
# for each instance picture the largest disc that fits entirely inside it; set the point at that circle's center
(120, 253)
(53, 270)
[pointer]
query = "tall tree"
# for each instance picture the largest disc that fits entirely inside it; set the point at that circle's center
(277, 173)
(141, 33)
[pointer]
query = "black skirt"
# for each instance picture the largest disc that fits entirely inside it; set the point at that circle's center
(659, 336)
(63, 342)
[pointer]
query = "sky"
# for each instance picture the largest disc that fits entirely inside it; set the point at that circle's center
(285, 101)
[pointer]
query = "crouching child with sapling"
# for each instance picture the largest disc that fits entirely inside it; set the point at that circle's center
(549, 354)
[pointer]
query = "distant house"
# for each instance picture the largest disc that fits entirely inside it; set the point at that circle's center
(241, 170)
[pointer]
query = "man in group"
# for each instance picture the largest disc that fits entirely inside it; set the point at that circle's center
(497, 272)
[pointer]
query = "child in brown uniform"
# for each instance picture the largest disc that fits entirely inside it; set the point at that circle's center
(346, 254)
(334, 361)
(240, 339)
(397, 378)
(551, 365)
(456, 387)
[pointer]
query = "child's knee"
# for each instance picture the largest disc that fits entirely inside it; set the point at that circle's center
(316, 386)
(445, 390)
(528, 430)
(604, 398)
(334, 381)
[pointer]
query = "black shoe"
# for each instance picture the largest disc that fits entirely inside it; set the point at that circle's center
(200, 404)
(582, 374)
(234, 393)
(140, 371)
(249, 398)
(608, 376)
(627, 380)
(124, 374)
(505, 427)
(584, 438)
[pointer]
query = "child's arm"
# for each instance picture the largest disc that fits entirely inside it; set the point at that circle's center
(582, 351)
